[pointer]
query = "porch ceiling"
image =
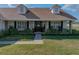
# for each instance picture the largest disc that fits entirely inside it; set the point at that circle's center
(37, 20)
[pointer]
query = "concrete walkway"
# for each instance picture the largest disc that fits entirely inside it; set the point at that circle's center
(22, 42)
(38, 36)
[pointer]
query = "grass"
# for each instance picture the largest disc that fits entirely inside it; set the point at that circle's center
(54, 47)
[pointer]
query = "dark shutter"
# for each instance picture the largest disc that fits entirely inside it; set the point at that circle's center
(14, 24)
(61, 25)
(49, 24)
(27, 24)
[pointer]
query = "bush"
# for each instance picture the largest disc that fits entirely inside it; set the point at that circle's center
(6, 33)
(1, 34)
(75, 31)
(28, 31)
(12, 31)
(53, 31)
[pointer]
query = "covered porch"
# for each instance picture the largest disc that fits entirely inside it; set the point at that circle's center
(39, 26)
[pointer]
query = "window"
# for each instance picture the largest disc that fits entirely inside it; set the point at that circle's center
(21, 25)
(21, 9)
(55, 25)
(56, 10)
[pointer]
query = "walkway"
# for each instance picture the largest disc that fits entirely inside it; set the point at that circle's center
(38, 36)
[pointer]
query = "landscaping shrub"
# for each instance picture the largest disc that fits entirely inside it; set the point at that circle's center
(6, 33)
(12, 31)
(52, 31)
(64, 32)
(1, 34)
(28, 31)
(75, 31)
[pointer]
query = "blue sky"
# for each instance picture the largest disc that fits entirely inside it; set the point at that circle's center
(29, 5)
(72, 9)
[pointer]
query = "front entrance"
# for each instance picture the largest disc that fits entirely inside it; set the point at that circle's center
(38, 26)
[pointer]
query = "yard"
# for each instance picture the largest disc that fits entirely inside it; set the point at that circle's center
(53, 45)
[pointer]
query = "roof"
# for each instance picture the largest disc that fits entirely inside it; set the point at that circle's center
(34, 14)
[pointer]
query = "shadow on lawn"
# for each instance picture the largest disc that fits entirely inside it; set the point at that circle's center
(12, 39)
(15, 38)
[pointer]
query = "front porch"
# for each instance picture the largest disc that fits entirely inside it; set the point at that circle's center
(40, 26)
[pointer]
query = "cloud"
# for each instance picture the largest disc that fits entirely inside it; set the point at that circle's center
(72, 9)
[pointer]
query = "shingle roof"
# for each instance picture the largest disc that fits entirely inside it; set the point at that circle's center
(38, 14)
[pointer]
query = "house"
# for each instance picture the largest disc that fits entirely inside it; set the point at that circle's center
(35, 19)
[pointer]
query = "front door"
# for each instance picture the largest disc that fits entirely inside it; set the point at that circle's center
(38, 26)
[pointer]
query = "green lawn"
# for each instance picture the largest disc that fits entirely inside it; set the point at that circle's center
(53, 44)
(58, 47)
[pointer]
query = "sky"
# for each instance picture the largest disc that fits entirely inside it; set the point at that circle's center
(72, 9)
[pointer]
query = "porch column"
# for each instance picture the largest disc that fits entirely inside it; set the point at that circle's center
(46, 26)
(6, 25)
(31, 25)
(70, 26)
(3, 26)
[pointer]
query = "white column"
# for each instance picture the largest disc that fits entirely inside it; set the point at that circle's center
(43, 24)
(31, 25)
(70, 26)
(46, 26)
(65, 25)
(2, 25)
